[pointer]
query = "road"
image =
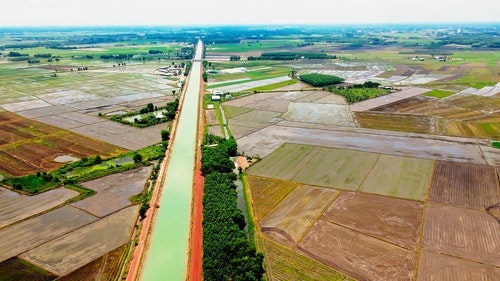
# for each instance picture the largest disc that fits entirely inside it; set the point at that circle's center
(168, 250)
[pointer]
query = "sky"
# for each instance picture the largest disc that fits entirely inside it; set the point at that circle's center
(228, 12)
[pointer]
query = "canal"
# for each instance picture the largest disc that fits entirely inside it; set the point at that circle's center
(168, 251)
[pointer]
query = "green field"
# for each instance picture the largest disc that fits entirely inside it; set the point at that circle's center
(401, 177)
(337, 168)
(259, 45)
(439, 93)
(285, 162)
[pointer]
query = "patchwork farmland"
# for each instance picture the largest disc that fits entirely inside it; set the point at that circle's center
(389, 213)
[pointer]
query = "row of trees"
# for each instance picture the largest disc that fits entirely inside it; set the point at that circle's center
(359, 92)
(227, 254)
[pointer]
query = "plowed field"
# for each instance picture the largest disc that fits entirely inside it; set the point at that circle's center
(433, 266)
(295, 214)
(358, 255)
(394, 220)
(470, 234)
(466, 185)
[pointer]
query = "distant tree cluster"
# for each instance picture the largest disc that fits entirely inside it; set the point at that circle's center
(169, 111)
(227, 254)
(46, 56)
(17, 54)
(116, 57)
(359, 92)
(290, 56)
(155, 52)
(320, 80)
(234, 58)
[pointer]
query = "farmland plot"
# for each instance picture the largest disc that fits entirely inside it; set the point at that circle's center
(356, 254)
(324, 113)
(337, 168)
(266, 193)
(114, 191)
(71, 251)
(284, 264)
(284, 163)
(464, 185)
(401, 177)
(20, 270)
(31, 233)
(394, 220)
(15, 207)
(470, 234)
(295, 214)
(434, 266)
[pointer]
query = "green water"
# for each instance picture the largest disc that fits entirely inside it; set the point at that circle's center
(167, 256)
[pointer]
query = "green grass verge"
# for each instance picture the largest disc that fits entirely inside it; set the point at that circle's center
(439, 93)
(251, 221)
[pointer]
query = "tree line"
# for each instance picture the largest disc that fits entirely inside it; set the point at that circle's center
(227, 254)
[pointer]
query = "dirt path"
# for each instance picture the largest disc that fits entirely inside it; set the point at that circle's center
(196, 242)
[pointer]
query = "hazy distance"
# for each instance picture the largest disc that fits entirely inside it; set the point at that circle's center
(228, 12)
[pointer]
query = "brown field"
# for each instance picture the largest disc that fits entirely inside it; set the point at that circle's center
(314, 96)
(398, 122)
(30, 146)
(250, 99)
(394, 220)
(283, 264)
(271, 104)
(434, 266)
(323, 113)
(15, 207)
(295, 214)
(401, 177)
(285, 162)
(16, 269)
(104, 268)
(211, 117)
(356, 254)
(266, 193)
(336, 168)
(34, 232)
(470, 234)
(215, 130)
(464, 185)
(114, 191)
(76, 249)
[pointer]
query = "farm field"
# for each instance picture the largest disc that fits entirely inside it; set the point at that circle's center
(103, 268)
(434, 266)
(393, 220)
(337, 168)
(470, 234)
(20, 270)
(464, 185)
(15, 206)
(76, 249)
(23, 236)
(266, 193)
(30, 146)
(296, 213)
(113, 191)
(283, 264)
(356, 254)
(383, 243)
(401, 177)
(284, 163)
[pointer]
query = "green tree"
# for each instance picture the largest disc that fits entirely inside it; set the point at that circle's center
(165, 135)
(137, 158)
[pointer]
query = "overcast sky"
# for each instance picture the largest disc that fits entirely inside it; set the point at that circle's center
(209, 12)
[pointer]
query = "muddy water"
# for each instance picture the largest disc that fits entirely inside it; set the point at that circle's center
(167, 257)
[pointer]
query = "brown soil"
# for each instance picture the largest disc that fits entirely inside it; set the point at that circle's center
(358, 255)
(394, 220)
(434, 266)
(465, 185)
(469, 234)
